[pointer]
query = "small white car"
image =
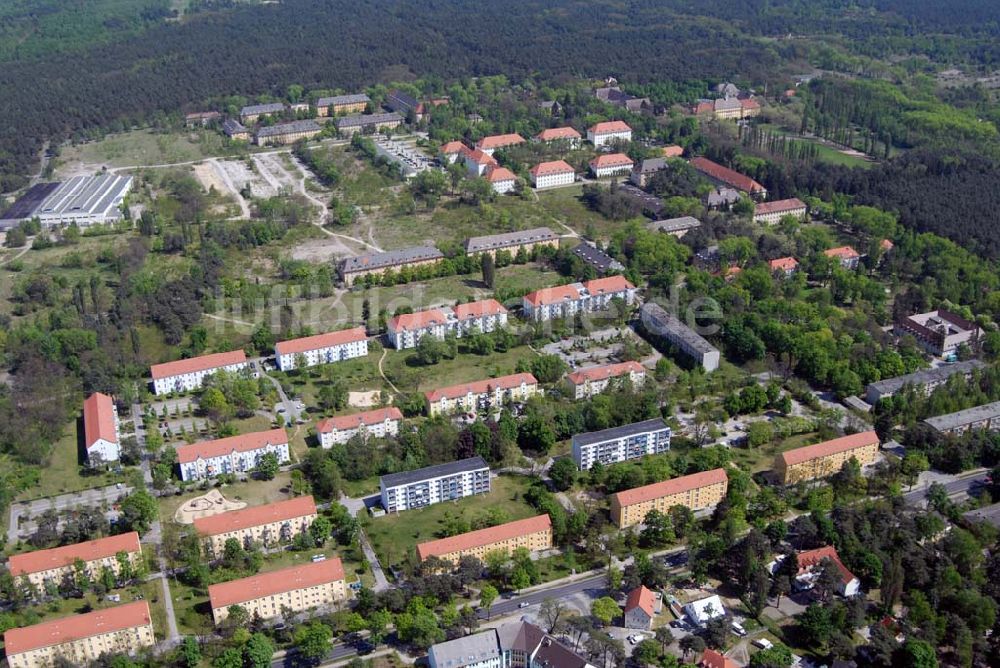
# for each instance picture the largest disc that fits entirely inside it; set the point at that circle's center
(523, 604)
(738, 629)
(763, 643)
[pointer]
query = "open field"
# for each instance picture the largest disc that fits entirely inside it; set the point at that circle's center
(395, 536)
(140, 147)
(826, 152)
(64, 473)
(411, 377)
(252, 492)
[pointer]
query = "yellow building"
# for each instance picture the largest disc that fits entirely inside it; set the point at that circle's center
(513, 242)
(341, 104)
(482, 395)
(287, 133)
(533, 533)
(297, 588)
(825, 459)
(695, 491)
(53, 566)
(81, 639)
(264, 525)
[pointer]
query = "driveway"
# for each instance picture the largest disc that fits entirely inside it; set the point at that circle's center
(22, 514)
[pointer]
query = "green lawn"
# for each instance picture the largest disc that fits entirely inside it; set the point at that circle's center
(825, 152)
(762, 458)
(64, 474)
(253, 492)
(146, 147)
(409, 376)
(395, 536)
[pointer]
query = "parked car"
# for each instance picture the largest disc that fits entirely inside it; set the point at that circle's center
(763, 643)
(633, 640)
(523, 604)
(738, 629)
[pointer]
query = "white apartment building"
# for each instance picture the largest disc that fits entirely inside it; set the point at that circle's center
(620, 444)
(658, 322)
(100, 430)
(406, 330)
(552, 174)
(378, 423)
(235, 454)
(483, 395)
(611, 164)
(771, 213)
(322, 349)
(187, 375)
(607, 132)
(434, 484)
(501, 179)
(565, 301)
(587, 383)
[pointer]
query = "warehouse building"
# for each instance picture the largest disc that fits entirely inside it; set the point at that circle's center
(533, 534)
(298, 588)
(82, 201)
(697, 491)
(434, 484)
(619, 444)
(826, 458)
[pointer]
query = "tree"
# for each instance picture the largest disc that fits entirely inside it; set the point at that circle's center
(321, 529)
(778, 656)
(548, 368)
(692, 644)
(781, 586)
(258, 651)
(563, 473)
(815, 625)
(605, 610)
(267, 466)
(551, 612)
(664, 636)
(333, 396)
(231, 658)
(138, 511)
(487, 595)
(917, 654)
(646, 652)
(489, 270)
(189, 653)
(378, 625)
(313, 641)
(429, 350)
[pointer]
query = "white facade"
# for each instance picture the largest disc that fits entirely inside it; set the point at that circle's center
(434, 484)
(705, 610)
(611, 170)
(502, 186)
(197, 465)
(406, 331)
(337, 431)
(601, 138)
(190, 381)
(620, 444)
(568, 300)
(553, 180)
(322, 349)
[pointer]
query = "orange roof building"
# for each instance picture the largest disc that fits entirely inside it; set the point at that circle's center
(728, 177)
(785, 265)
(604, 133)
(496, 142)
(640, 608)
(502, 179)
(566, 134)
(710, 658)
(771, 213)
(564, 301)
(533, 533)
(695, 491)
(609, 164)
(187, 375)
(454, 150)
(810, 562)
(298, 588)
(100, 429)
(265, 525)
(81, 639)
(406, 330)
(481, 395)
(587, 383)
(845, 255)
(673, 151)
(52, 565)
(326, 348)
(826, 458)
(234, 454)
(378, 423)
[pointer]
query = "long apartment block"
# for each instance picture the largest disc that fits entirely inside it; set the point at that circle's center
(378, 423)
(298, 588)
(619, 444)
(565, 301)
(265, 525)
(326, 348)
(81, 639)
(187, 375)
(533, 534)
(659, 323)
(513, 242)
(590, 382)
(985, 417)
(434, 484)
(406, 330)
(696, 491)
(234, 454)
(482, 395)
(826, 458)
(53, 565)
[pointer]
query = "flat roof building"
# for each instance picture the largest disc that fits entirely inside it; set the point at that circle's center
(512, 645)
(696, 491)
(986, 416)
(620, 444)
(265, 525)
(924, 381)
(82, 200)
(352, 268)
(596, 258)
(512, 241)
(297, 588)
(825, 459)
(434, 484)
(675, 226)
(534, 534)
(940, 332)
(658, 322)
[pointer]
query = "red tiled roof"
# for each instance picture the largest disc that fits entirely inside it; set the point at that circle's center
(480, 158)
(59, 557)
(780, 205)
(841, 252)
(194, 364)
(478, 309)
(826, 448)
(705, 107)
(76, 627)
(559, 293)
(499, 174)
(886, 245)
(810, 559)
(657, 490)
(749, 103)
(367, 418)
(234, 520)
(611, 160)
(474, 539)
(608, 284)
(499, 141)
(480, 386)
(640, 597)
(726, 175)
(552, 134)
(783, 264)
(224, 446)
(554, 167)
(98, 419)
(609, 127)
(603, 372)
(712, 659)
(418, 320)
(257, 586)
(454, 147)
(673, 151)
(320, 341)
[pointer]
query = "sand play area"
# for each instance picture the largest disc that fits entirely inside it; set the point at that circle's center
(206, 505)
(371, 399)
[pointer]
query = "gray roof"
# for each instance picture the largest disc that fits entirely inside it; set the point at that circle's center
(656, 424)
(651, 165)
(389, 258)
(596, 258)
(924, 377)
(397, 99)
(507, 239)
(473, 649)
(357, 98)
(361, 120)
(658, 321)
(675, 224)
(85, 195)
(289, 128)
(437, 471)
(231, 127)
(722, 195)
(270, 108)
(965, 417)
(989, 514)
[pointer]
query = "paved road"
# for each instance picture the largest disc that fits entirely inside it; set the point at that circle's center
(31, 509)
(381, 582)
(513, 605)
(292, 412)
(959, 487)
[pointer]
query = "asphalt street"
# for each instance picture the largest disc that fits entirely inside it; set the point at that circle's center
(512, 605)
(961, 486)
